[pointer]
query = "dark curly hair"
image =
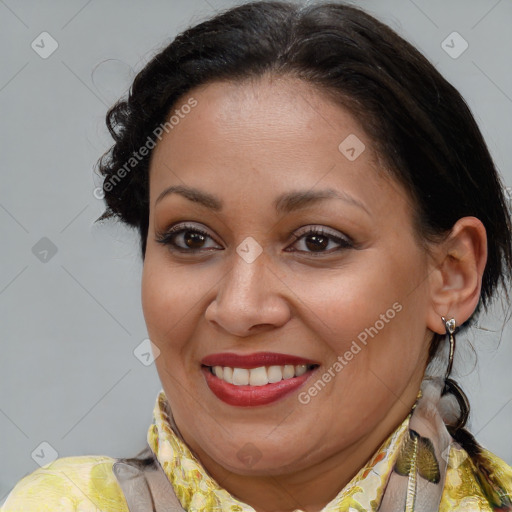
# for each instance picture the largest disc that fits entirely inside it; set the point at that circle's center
(420, 125)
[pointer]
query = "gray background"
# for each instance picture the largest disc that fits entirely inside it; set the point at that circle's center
(70, 321)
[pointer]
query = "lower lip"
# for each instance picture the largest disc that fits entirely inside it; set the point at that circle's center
(247, 396)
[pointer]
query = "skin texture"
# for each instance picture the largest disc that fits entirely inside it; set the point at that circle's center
(247, 143)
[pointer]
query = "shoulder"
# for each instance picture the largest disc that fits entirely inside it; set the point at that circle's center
(498, 471)
(483, 483)
(69, 484)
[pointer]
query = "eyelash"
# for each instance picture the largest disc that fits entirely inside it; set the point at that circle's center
(167, 238)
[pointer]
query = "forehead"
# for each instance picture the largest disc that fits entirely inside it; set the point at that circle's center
(268, 135)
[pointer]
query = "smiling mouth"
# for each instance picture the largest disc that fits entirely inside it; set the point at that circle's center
(260, 376)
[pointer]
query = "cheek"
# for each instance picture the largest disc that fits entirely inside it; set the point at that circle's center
(343, 303)
(168, 297)
(369, 316)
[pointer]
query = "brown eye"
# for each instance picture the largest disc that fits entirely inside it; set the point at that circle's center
(185, 238)
(193, 239)
(317, 240)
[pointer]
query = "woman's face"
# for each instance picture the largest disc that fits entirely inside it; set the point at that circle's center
(352, 299)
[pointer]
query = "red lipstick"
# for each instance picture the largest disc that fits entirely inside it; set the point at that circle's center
(247, 395)
(255, 360)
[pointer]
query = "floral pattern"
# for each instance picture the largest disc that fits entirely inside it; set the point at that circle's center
(87, 484)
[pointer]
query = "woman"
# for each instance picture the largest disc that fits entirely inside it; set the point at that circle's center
(319, 217)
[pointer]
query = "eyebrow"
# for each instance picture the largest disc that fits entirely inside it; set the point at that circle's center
(285, 203)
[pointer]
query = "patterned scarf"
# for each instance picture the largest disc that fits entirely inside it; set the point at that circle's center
(419, 468)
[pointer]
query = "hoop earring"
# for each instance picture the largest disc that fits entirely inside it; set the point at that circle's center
(450, 329)
(450, 386)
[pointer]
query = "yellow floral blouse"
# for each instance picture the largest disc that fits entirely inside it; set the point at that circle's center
(87, 484)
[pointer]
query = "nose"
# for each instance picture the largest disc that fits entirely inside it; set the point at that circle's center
(250, 299)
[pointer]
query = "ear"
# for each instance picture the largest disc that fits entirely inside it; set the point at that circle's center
(456, 276)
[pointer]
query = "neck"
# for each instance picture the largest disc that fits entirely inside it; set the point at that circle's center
(311, 489)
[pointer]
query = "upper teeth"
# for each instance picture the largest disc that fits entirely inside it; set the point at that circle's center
(258, 376)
